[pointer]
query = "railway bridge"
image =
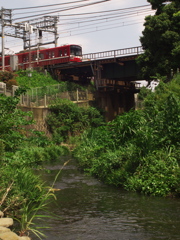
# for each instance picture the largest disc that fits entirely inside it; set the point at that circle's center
(112, 73)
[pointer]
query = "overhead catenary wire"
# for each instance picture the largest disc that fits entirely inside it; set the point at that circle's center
(50, 5)
(86, 13)
(104, 21)
(84, 20)
(103, 18)
(65, 9)
(95, 29)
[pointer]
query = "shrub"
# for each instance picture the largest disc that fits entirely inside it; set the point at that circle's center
(133, 150)
(158, 174)
(67, 119)
(10, 83)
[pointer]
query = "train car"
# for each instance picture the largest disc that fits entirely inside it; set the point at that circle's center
(46, 57)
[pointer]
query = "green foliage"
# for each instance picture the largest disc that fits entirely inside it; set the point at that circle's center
(157, 174)
(139, 150)
(31, 79)
(158, 4)
(22, 193)
(143, 93)
(12, 121)
(24, 187)
(70, 86)
(5, 76)
(160, 40)
(67, 119)
(1, 150)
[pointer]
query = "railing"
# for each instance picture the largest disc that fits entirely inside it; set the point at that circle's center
(35, 100)
(113, 53)
(44, 96)
(8, 92)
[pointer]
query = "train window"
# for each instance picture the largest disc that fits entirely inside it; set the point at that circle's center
(41, 55)
(60, 53)
(51, 54)
(75, 50)
(65, 52)
(8, 61)
(34, 57)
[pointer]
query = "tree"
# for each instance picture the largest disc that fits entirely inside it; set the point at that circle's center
(161, 40)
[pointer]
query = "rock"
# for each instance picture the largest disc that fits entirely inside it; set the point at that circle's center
(1, 214)
(24, 238)
(4, 229)
(9, 236)
(6, 222)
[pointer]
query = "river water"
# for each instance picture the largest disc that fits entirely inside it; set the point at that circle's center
(86, 209)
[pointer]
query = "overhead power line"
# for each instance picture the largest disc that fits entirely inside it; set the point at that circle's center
(87, 22)
(100, 21)
(50, 5)
(61, 10)
(88, 13)
(104, 18)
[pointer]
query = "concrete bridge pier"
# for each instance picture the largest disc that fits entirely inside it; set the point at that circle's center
(114, 103)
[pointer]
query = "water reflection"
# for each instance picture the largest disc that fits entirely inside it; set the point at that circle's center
(89, 210)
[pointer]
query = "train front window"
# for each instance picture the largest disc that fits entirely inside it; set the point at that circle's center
(75, 50)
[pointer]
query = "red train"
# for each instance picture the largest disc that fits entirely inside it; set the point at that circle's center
(45, 57)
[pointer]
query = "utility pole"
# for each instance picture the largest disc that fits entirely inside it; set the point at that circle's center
(23, 31)
(2, 38)
(55, 31)
(29, 29)
(44, 24)
(5, 17)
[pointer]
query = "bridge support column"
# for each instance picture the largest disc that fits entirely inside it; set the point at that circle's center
(115, 103)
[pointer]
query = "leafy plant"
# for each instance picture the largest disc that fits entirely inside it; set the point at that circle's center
(31, 210)
(12, 121)
(67, 119)
(138, 150)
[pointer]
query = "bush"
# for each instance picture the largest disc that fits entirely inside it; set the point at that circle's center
(32, 79)
(5, 76)
(67, 119)
(134, 149)
(157, 174)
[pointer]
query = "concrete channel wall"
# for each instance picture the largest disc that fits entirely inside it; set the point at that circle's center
(39, 105)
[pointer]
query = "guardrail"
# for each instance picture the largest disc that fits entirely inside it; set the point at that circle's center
(8, 92)
(113, 53)
(44, 96)
(35, 100)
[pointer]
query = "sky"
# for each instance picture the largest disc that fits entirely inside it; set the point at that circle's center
(108, 25)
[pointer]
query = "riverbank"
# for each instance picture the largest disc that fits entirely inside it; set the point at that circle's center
(5, 229)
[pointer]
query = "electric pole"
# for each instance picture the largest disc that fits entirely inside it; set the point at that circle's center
(23, 30)
(2, 38)
(5, 17)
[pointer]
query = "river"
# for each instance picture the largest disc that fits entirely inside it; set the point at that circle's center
(86, 209)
